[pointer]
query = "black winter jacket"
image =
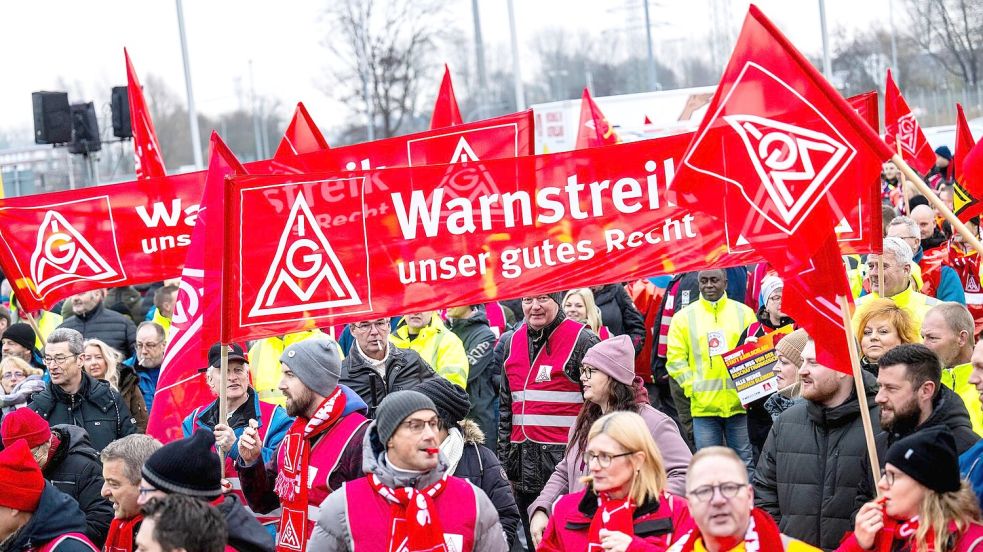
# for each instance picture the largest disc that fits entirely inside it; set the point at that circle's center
(529, 465)
(619, 314)
(481, 467)
(74, 468)
(948, 411)
(116, 330)
(57, 514)
(96, 408)
(246, 534)
(483, 382)
(404, 369)
(811, 466)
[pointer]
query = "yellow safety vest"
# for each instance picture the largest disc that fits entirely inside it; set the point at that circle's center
(917, 305)
(703, 377)
(442, 350)
(264, 364)
(957, 379)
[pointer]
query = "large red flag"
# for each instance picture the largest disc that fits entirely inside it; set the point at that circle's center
(900, 127)
(302, 136)
(968, 197)
(777, 144)
(446, 111)
(195, 324)
(146, 149)
(594, 129)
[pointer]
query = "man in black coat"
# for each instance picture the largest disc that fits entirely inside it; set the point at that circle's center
(68, 461)
(94, 321)
(375, 367)
(75, 398)
(470, 324)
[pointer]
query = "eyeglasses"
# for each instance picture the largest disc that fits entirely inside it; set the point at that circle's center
(542, 299)
(604, 459)
(12, 375)
(146, 490)
(57, 360)
(416, 426)
(888, 476)
(148, 344)
(586, 372)
(727, 490)
(366, 326)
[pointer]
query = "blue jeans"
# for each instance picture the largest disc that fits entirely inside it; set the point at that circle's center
(709, 431)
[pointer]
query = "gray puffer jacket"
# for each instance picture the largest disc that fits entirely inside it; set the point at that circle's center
(114, 329)
(332, 533)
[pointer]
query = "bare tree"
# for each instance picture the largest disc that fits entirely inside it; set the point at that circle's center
(383, 49)
(951, 31)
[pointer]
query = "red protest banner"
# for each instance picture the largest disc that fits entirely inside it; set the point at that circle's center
(406, 244)
(445, 110)
(900, 127)
(594, 129)
(146, 149)
(58, 244)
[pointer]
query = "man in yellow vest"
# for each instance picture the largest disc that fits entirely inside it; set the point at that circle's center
(425, 333)
(698, 335)
(897, 282)
(948, 331)
(264, 364)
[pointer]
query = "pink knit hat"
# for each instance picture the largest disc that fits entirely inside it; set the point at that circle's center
(615, 357)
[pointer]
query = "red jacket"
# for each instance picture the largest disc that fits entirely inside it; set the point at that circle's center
(969, 541)
(657, 524)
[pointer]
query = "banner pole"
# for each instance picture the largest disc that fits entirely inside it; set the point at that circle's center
(934, 200)
(880, 274)
(904, 181)
(223, 399)
(858, 382)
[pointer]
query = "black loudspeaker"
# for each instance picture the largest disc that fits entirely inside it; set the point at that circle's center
(85, 128)
(121, 113)
(52, 118)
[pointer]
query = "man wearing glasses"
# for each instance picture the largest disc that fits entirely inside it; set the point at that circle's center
(408, 501)
(930, 269)
(722, 505)
(73, 397)
(150, 345)
(375, 367)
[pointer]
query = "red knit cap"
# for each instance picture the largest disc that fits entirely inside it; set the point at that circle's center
(24, 423)
(21, 482)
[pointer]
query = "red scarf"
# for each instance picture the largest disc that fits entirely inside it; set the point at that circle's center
(613, 515)
(762, 535)
(895, 530)
(291, 483)
(414, 514)
(121, 533)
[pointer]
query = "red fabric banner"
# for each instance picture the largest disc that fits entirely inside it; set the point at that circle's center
(964, 142)
(902, 128)
(446, 112)
(411, 243)
(148, 160)
(777, 157)
(594, 129)
(865, 104)
(302, 136)
(61, 243)
(968, 196)
(194, 325)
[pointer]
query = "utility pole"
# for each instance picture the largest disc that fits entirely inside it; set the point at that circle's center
(827, 61)
(520, 93)
(653, 76)
(894, 42)
(479, 54)
(192, 112)
(256, 125)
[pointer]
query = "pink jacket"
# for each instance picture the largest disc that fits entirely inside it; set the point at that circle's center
(675, 456)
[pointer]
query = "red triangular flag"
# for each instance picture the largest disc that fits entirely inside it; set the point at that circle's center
(647, 120)
(445, 111)
(900, 127)
(594, 129)
(146, 149)
(778, 150)
(302, 136)
(968, 190)
(195, 324)
(964, 142)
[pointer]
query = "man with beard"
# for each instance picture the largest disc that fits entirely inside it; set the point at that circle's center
(911, 397)
(322, 449)
(811, 496)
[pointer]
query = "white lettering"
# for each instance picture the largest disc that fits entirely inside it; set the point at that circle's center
(418, 211)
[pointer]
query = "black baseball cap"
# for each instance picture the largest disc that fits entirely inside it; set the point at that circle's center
(215, 354)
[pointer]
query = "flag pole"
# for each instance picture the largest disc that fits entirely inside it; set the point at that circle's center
(858, 382)
(934, 200)
(904, 181)
(223, 399)
(34, 326)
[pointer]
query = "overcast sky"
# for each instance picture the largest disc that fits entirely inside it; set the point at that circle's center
(45, 43)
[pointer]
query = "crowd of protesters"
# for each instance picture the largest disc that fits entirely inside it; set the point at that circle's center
(596, 418)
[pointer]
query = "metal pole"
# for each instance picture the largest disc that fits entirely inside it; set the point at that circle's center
(256, 128)
(653, 76)
(827, 62)
(479, 54)
(192, 112)
(520, 94)
(364, 69)
(894, 44)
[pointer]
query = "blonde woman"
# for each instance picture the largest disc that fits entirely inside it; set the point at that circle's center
(18, 381)
(103, 362)
(882, 325)
(579, 305)
(625, 494)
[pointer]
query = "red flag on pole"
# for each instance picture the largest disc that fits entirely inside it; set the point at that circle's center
(146, 148)
(647, 120)
(968, 190)
(594, 129)
(195, 324)
(302, 136)
(446, 111)
(777, 143)
(902, 128)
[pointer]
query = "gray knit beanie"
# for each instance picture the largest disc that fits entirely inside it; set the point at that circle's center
(316, 361)
(395, 408)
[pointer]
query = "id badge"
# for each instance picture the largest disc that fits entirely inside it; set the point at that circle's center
(716, 342)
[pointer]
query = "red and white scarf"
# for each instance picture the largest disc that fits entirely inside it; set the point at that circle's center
(762, 535)
(121, 533)
(415, 526)
(895, 530)
(613, 515)
(291, 483)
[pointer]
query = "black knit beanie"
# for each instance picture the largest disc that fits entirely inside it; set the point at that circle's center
(929, 457)
(189, 466)
(451, 401)
(21, 334)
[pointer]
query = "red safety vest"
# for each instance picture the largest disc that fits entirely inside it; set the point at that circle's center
(370, 516)
(496, 318)
(931, 265)
(967, 266)
(545, 403)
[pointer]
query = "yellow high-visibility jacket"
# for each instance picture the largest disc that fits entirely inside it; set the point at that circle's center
(957, 379)
(917, 305)
(442, 350)
(264, 364)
